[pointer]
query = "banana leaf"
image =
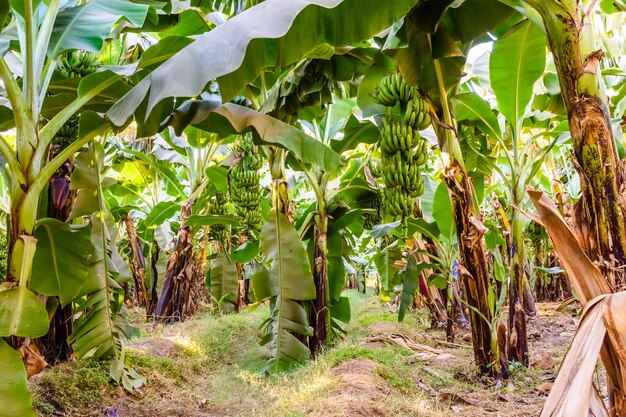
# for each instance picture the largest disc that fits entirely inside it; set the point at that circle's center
(288, 282)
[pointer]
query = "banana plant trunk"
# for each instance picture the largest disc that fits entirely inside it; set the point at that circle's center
(599, 217)
(319, 318)
(475, 276)
(518, 339)
(176, 301)
(137, 264)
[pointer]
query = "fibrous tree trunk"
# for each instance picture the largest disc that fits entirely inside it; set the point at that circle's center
(599, 214)
(137, 264)
(179, 285)
(435, 301)
(474, 274)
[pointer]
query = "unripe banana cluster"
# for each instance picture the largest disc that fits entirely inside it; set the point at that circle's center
(403, 149)
(245, 189)
(392, 89)
(74, 64)
(373, 218)
(78, 64)
(217, 206)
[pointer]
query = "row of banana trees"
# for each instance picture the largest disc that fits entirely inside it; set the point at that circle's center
(223, 151)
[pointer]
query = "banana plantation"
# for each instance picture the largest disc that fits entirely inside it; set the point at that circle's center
(312, 208)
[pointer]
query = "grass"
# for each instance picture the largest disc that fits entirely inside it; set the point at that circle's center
(211, 366)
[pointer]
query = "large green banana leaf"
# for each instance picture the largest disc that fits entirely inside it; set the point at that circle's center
(231, 119)
(272, 34)
(473, 110)
(386, 267)
(86, 26)
(15, 398)
(21, 312)
(224, 279)
(516, 63)
(100, 329)
(288, 281)
(62, 259)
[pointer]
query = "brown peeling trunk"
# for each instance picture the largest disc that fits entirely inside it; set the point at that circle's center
(176, 302)
(599, 215)
(474, 274)
(137, 264)
(242, 292)
(434, 299)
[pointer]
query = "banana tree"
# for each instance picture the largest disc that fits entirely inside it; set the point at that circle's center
(38, 34)
(435, 39)
(578, 63)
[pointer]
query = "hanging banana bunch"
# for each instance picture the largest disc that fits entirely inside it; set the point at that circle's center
(217, 206)
(403, 149)
(74, 64)
(245, 190)
(372, 218)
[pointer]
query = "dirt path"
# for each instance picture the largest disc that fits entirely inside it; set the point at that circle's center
(210, 367)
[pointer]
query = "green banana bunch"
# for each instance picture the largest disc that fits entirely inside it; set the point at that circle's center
(392, 89)
(397, 137)
(403, 149)
(417, 114)
(396, 202)
(245, 189)
(217, 206)
(419, 154)
(74, 64)
(403, 175)
(68, 132)
(78, 64)
(372, 217)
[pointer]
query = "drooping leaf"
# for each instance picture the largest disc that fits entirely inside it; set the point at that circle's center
(442, 211)
(410, 284)
(198, 220)
(86, 26)
(231, 119)
(356, 132)
(473, 110)
(246, 252)
(386, 267)
(62, 260)
(261, 34)
(288, 281)
(336, 268)
(224, 279)
(22, 313)
(14, 394)
(100, 327)
(162, 212)
(340, 310)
